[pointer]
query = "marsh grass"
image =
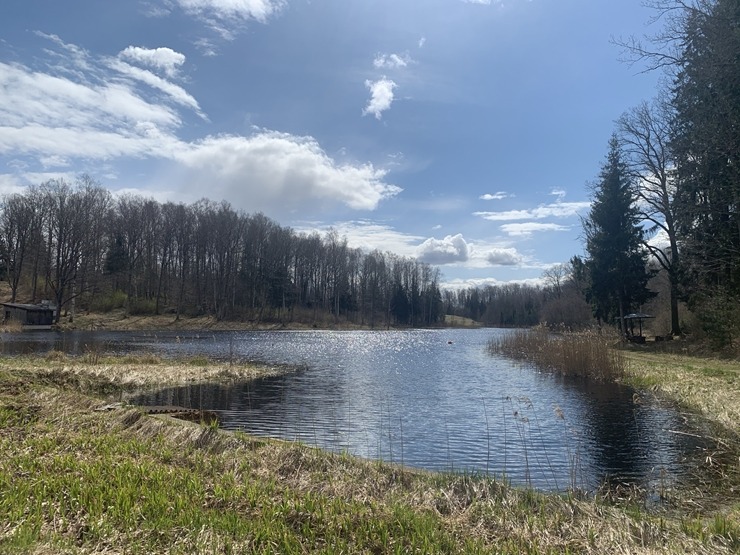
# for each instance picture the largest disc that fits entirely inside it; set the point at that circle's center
(99, 373)
(75, 480)
(583, 354)
(11, 326)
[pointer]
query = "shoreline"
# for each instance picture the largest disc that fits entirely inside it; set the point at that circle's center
(47, 414)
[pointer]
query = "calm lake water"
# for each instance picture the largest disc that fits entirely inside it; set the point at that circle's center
(431, 399)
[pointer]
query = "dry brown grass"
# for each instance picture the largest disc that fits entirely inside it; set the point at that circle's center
(586, 354)
(711, 386)
(11, 326)
(130, 372)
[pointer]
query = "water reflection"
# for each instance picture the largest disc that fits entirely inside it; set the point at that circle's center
(432, 399)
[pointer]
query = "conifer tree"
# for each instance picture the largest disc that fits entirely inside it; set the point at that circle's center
(617, 261)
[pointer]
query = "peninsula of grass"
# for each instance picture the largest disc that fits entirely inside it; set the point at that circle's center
(74, 479)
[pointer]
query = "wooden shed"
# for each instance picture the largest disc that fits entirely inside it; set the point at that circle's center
(31, 316)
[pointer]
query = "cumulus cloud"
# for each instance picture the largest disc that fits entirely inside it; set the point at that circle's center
(528, 228)
(164, 59)
(499, 195)
(271, 167)
(381, 97)
(504, 257)
(449, 250)
(392, 61)
(554, 210)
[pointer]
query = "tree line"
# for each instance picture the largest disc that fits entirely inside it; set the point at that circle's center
(83, 248)
(669, 191)
(666, 200)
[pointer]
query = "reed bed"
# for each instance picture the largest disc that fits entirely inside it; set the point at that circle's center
(584, 354)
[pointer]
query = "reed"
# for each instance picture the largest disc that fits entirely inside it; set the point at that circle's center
(584, 354)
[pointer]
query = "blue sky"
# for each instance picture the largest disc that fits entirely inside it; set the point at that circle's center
(462, 133)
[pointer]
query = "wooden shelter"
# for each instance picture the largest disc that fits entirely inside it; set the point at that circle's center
(629, 322)
(31, 316)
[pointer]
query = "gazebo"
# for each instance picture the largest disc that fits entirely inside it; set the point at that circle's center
(629, 326)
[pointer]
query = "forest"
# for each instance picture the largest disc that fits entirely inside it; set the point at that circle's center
(84, 249)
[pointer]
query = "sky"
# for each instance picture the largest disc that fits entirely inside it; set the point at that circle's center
(466, 134)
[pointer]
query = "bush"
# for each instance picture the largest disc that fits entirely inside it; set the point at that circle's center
(140, 307)
(111, 301)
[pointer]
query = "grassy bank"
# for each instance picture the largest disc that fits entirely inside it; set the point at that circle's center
(77, 480)
(709, 386)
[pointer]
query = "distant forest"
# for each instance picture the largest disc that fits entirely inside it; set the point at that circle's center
(86, 250)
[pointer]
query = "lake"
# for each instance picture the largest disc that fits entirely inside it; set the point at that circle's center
(431, 399)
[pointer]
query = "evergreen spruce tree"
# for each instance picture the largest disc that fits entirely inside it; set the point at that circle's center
(617, 261)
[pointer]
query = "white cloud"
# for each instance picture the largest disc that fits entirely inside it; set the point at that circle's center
(449, 250)
(458, 284)
(163, 58)
(85, 112)
(504, 257)
(422, 42)
(483, 2)
(271, 169)
(381, 97)
(499, 195)
(369, 236)
(10, 184)
(175, 92)
(218, 13)
(392, 61)
(528, 228)
(555, 210)
(560, 193)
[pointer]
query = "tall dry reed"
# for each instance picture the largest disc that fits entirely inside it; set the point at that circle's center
(587, 353)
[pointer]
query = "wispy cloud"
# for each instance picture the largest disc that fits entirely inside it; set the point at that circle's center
(232, 11)
(554, 210)
(369, 236)
(526, 229)
(381, 97)
(499, 195)
(392, 61)
(164, 59)
(174, 91)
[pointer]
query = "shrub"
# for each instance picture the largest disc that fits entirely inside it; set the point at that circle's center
(111, 301)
